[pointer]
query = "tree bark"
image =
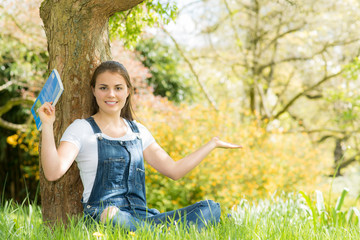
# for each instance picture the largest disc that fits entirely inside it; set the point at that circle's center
(78, 41)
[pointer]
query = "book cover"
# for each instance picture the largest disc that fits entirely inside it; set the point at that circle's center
(51, 92)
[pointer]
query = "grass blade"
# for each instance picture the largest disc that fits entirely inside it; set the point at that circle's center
(309, 202)
(357, 213)
(320, 205)
(340, 200)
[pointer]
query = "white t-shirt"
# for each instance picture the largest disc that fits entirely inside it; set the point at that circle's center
(81, 134)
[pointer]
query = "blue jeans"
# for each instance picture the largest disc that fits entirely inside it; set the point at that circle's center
(200, 214)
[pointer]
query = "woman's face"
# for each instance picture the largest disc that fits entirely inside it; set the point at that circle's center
(110, 92)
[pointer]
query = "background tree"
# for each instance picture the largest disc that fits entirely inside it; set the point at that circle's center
(271, 47)
(277, 58)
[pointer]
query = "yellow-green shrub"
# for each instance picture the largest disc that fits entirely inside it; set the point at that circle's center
(28, 143)
(268, 162)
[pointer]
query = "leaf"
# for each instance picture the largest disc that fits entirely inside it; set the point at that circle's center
(320, 202)
(357, 213)
(309, 202)
(340, 200)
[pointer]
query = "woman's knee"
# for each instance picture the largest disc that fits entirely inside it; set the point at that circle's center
(118, 217)
(108, 213)
(211, 209)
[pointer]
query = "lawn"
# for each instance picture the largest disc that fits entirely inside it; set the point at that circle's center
(284, 216)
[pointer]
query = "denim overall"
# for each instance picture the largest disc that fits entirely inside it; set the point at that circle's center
(120, 182)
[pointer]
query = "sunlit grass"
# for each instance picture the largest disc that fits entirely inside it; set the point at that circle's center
(284, 216)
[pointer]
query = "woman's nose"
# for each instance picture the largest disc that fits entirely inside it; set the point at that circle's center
(111, 92)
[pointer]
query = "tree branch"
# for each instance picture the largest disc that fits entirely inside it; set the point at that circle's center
(98, 7)
(110, 6)
(325, 78)
(262, 97)
(8, 106)
(202, 86)
(5, 85)
(234, 28)
(12, 126)
(348, 161)
(283, 90)
(14, 102)
(323, 49)
(290, 59)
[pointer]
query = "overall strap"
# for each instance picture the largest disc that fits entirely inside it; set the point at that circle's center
(133, 126)
(93, 124)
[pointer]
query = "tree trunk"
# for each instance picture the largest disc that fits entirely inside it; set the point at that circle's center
(78, 41)
(338, 156)
(252, 98)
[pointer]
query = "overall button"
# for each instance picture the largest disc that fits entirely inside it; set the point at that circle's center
(88, 206)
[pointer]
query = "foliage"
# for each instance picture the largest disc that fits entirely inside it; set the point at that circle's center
(329, 216)
(346, 99)
(297, 211)
(23, 65)
(128, 25)
(275, 57)
(20, 68)
(343, 106)
(269, 160)
(27, 143)
(164, 63)
(279, 217)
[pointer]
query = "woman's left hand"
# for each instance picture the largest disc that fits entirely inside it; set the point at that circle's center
(221, 144)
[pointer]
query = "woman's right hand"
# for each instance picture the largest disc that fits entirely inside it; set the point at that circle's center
(47, 113)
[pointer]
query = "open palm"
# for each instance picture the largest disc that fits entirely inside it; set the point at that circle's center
(221, 144)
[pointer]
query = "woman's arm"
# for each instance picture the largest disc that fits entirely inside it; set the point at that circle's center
(55, 162)
(163, 163)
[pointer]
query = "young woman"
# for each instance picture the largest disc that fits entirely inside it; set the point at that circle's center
(109, 148)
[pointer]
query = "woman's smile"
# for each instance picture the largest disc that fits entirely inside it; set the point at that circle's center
(111, 103)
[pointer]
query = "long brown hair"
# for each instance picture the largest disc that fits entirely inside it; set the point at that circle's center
(127, 111)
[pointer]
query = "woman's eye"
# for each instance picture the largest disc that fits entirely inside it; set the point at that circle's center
(102, 88)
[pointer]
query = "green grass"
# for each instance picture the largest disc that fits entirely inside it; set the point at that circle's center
(291, 216)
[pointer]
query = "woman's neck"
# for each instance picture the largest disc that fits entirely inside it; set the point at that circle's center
(111, 125)
(112, 119)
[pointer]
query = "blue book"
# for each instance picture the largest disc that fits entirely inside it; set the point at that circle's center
(51, 92)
